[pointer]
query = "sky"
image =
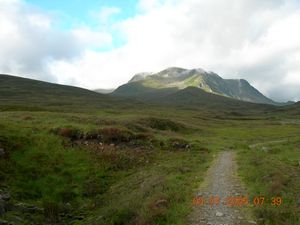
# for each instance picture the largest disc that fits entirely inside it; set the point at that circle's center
(102, 44)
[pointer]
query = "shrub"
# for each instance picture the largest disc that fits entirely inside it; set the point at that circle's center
(110, 135)
(163, 124)
(69, 132)
(116, 135)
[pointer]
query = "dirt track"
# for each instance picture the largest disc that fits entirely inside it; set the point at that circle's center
(221, 182)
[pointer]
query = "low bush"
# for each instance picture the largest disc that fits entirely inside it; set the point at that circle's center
(163, 124)
(69, 132)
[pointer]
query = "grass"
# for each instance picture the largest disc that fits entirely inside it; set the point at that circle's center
(104, 171)
(272, 170)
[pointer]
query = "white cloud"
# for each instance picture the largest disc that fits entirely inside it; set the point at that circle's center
(146, 5)
(251, 39)
(105, 13)
(29, 42)
(90, 38)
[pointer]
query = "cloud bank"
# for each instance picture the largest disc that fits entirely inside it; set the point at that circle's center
(251, 39)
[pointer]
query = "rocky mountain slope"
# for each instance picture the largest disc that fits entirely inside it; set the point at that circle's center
(149, 85)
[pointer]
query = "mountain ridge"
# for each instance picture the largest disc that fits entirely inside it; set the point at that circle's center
(180, 78)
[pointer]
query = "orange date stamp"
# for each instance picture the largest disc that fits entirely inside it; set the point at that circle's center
(237, 201)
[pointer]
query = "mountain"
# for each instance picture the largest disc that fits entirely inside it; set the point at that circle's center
(171, 80)
(16, 91)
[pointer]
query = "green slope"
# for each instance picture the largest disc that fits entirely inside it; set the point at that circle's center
(139, 91)
(17, 91)
(195, 97)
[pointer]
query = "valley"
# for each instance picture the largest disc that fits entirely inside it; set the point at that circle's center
(73, 156)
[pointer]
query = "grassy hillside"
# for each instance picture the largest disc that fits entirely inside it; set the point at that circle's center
(136, 90)
(196, 97)
(21, 92)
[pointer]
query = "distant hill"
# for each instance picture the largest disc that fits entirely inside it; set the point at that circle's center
(149, 85)
(16, 91)
(104, 91)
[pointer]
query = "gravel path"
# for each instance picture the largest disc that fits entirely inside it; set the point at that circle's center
(221, 182)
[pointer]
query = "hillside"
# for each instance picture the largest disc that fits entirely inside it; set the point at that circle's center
(195, 97)
(17, 91)
(173, 79)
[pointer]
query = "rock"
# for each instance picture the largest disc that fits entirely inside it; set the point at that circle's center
(179, 145)
(2, 152)
(219, 214)
(251, 222)
(240, 218)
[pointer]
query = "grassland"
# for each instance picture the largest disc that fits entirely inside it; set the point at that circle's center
(126, 164)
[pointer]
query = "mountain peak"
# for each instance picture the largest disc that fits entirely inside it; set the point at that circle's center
(172, 72)
(174, 69)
